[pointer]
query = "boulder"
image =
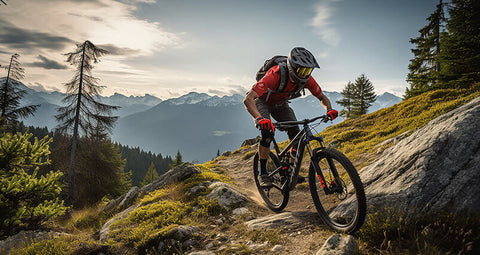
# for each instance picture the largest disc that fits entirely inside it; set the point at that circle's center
(285, 220)
(25, 238)
(437, 168)
(338, 244)
(252, 141)
(176, 174)
(227, 196)
(104, 231)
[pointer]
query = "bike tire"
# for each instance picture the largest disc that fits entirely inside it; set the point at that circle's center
(275, 198)
(349, 214)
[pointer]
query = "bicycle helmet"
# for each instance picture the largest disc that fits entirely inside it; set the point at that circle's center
(300, 63)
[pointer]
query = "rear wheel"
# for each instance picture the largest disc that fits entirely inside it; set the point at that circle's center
(276, 197)
(340, 201)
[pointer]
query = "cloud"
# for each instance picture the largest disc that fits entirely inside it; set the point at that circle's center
(40, 87)
(17, 38)
(47, 63)
(321, 22)
(221, 133)
(119, 51)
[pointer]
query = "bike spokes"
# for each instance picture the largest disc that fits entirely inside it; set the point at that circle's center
(337, 191)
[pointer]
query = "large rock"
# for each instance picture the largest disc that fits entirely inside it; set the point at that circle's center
(227, 196)
(105, 230)
(285, 220)
(437, 168)
(25, 238)
(179, 173)
(338, 244)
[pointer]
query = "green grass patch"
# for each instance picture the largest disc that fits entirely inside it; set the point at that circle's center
(358, 137)
(396, 231)
(248, 155)
(73, 244)
(258, 235)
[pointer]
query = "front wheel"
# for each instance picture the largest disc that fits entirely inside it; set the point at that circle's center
(276, 197)
(337, 190)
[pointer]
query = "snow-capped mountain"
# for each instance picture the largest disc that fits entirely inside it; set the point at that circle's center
(190, 98)
(197, 124)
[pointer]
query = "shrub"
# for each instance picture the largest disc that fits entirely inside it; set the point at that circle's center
(27, 200)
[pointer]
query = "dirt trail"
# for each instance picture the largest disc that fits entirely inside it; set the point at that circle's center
(305, 241)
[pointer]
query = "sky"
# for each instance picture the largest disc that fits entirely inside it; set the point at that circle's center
(169, 48)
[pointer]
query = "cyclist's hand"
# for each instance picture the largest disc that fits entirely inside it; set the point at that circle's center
(265, 124)
(332, 114)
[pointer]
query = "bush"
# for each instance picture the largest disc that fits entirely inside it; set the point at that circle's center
(27, 200)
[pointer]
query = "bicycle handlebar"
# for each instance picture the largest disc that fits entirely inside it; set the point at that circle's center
(280, 125)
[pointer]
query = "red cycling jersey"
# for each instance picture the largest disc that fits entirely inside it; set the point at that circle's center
(271, 80)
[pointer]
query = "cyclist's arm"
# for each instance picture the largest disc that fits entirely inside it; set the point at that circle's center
(249, 103)
(324, 101)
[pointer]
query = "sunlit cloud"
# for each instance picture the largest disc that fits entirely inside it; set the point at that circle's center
(322, 24)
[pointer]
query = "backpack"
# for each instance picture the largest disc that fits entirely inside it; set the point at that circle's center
(282, 62)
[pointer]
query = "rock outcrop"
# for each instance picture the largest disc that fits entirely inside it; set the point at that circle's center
(338, 244)
(227, 196)
(176, 174)
(437, 168)
(25, 238)
(285, 220)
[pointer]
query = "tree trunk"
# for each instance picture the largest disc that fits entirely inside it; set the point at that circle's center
(5, 97)
(73, 152)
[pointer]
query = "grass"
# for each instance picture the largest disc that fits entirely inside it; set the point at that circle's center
(258, 235)
(394, 230)
(358, 137)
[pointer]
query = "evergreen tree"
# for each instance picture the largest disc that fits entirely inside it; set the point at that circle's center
(424, 67)
(177, 161)
(364, 95)
(11, 94)
(348, 94)
(83, 111)
(27, 199)
(102, 172)
(150, 176)
(460, 49)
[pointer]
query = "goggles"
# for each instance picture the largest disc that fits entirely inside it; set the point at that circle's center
(304, 71)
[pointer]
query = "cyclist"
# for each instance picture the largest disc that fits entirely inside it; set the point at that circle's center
(264, 100)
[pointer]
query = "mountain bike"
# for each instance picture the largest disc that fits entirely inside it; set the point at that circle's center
(335, 185)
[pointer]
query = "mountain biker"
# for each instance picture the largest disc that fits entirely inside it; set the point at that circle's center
(264, 100)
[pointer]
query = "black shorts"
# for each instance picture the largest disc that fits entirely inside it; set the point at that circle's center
(281, 112)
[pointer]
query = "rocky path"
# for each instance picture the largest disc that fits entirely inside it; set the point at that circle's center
(301, 228)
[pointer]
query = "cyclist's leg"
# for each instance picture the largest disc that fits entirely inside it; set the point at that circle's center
(264, 146)
(284, 112)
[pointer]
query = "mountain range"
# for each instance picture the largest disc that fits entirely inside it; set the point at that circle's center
(196, 124)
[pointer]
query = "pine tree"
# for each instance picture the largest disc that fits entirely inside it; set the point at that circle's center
(424, 67)
(364, 95)
(11, 94)
(348, 94)
(83, 111)
(150, 176)
(27, 198)
(177, 161)
(460, 49)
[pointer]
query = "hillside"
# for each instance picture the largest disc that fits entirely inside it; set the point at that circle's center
(180, 205)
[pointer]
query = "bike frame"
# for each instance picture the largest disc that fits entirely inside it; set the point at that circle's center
(302, 140)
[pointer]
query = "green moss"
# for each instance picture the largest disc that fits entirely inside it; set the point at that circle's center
(358, 137)
(78, 244)
(146, 222)
(248, 155)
